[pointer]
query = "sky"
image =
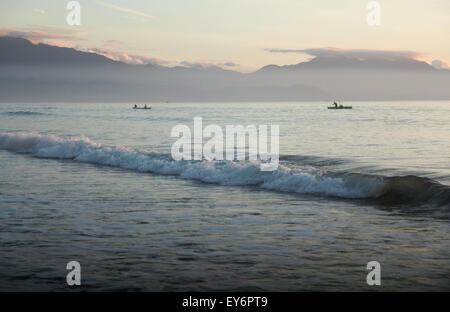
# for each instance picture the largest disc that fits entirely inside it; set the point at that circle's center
(241, 35)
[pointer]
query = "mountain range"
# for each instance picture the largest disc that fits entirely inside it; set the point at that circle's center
(40, 72)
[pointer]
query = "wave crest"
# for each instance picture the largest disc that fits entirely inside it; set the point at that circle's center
(409, 190)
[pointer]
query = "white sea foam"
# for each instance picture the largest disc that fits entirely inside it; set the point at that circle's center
(305, 180)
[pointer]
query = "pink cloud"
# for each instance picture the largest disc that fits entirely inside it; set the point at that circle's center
(38, 36)
(440, 64)
(129, 58)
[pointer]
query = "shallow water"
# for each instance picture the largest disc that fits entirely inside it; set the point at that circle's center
(371, 183)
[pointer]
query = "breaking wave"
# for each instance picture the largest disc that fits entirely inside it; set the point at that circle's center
(401, 190)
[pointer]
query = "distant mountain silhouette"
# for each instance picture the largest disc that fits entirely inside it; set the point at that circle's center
(348, 63)
(19, 51)
(40, 72)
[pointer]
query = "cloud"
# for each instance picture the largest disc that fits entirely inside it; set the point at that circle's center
(126, 10)
(197, 64)
(68, 38)
(72, 38)
(440, 64)
(43, 35)
(129, 58)
(353, 53)
(229, 64)
(40, 11)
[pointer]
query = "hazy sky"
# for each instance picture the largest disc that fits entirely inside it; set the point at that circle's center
(237, 34)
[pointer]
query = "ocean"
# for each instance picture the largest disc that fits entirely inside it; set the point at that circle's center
(96, 183)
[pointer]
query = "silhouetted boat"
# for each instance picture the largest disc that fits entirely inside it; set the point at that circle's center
(340, 106)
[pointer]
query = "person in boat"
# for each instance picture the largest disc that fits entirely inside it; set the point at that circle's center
(341, 106)
(335, 104)
(145, 106)
(135, 105)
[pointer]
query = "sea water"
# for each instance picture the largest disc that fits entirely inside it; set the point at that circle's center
(96, 183)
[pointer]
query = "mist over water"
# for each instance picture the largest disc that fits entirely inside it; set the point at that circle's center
(95, 182)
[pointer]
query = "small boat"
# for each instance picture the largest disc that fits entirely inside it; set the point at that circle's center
(145, 107)
(339, 107)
